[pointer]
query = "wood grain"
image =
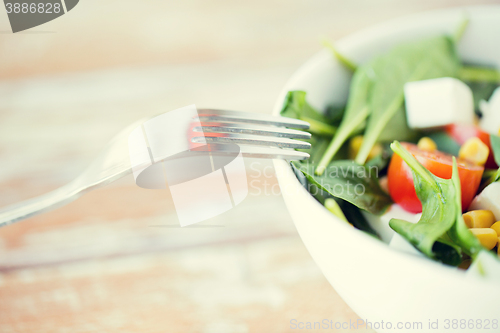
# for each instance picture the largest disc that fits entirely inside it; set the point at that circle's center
(115, 260)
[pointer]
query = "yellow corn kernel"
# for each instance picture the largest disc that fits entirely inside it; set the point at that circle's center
(496, 227)
(427, 144)
(479, 218)
(376, 150)
(474, 151)
(486, 236)
(355, 145)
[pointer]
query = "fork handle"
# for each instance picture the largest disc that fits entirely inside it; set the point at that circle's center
(57, 198)
(37, 205)
(114, 162)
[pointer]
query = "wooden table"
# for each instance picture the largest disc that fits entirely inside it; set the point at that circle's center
(114, 261)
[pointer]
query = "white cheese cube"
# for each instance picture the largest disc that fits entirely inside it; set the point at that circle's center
(438, 102)
(488, 199)
(401, 244)
(381, 223)
(486, 266)
(490, 122)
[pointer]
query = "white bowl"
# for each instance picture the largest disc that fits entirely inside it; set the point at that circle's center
(379, 283)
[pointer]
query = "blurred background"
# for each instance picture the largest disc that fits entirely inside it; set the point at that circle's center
(114, 260)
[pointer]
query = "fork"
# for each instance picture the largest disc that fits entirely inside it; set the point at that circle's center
(257, 135)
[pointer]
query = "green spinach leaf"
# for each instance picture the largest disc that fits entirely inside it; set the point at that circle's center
(300, 177)
(340, 208)
(459, 32)
(479, 74)
(296, 106)
(318, 146)
(445, 143)
(459, 233)
(347, 63)
(351, 182)
(356, 218)
(495, 146)
(355, 115)
(335, 113)
(438, 212)
(426, 59)
(377, 91)
(397, 129)
(481, 80)
(481, 91)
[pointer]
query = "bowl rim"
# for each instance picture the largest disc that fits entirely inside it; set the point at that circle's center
(285, 174)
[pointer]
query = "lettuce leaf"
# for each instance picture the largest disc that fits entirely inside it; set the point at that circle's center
(441, 233)
(376, 95)
(351, 182)
(438, 213)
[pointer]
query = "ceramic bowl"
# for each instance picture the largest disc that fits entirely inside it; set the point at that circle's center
(377, 282)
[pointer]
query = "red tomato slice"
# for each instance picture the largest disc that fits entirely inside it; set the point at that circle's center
(440, 164)
(191, 134)
(462, 132)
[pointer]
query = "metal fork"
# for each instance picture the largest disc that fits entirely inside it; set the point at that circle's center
(257, 135)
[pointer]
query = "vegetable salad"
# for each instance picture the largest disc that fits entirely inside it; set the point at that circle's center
(420, 131)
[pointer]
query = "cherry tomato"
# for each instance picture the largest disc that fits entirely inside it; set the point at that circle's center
(191, 134)
(438, 163)
(462, 132)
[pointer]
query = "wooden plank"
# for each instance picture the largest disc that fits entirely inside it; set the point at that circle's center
(245, 287)
(114, 261)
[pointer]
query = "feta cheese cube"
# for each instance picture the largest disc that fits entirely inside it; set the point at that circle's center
(486, 266)
(490, 122)
(401, 244)
(488, 199)
(381, 223)
(438, 102)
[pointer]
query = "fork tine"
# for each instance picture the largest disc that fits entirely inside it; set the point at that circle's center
(245, 139)
(251, 129)
(253, 118)
(251, 151)
(265, 152)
